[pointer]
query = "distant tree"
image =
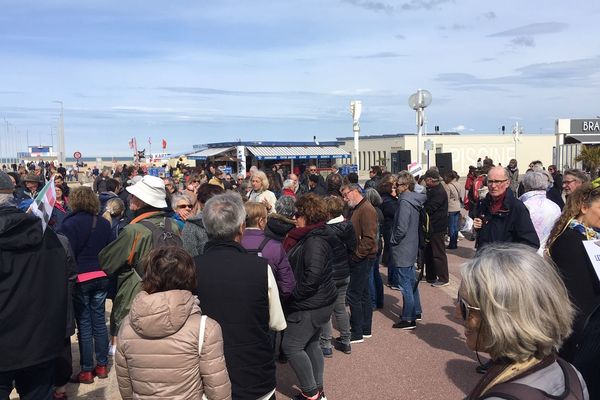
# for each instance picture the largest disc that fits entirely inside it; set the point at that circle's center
(590, 157)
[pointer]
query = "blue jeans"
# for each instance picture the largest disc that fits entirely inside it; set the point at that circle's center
(359, 299)
(453, 228)
(89, 300)
(412, 301)
(376, 285)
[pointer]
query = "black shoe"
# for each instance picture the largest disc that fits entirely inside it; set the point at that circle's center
(418, 317)
(302, 396)
(341, 346)
(406, 325)
(327, 352)
(483, 368)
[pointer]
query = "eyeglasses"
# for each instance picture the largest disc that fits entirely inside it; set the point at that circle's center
(465, 307)
(312, 170)
(496, 182)
(297, 214)
(184, 206)
(569, 182)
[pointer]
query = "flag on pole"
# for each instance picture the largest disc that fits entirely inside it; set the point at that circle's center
(164, 144)
(44, 203)
(149, 140)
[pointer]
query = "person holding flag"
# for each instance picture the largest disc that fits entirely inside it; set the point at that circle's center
(32, 331)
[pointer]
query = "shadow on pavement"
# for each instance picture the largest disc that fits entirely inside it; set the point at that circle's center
(443, 337)
(462, 374)
(286, 380)
(462, 252)
(392, 307)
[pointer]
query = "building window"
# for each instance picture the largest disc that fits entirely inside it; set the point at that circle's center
(384, 158)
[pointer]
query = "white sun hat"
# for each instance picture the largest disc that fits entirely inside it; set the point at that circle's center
(150, 190)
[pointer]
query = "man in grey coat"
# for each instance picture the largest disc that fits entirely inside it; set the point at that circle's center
(405, 246)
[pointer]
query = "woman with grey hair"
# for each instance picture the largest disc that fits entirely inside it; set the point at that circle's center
(375, 281)
(183, 209)
(282, 221)
(543, 212)
(260, 191)
(515, 307)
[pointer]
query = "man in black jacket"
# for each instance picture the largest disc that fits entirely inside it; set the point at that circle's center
(239, 291)
(501, 216)
(32, 331)
(436, 205)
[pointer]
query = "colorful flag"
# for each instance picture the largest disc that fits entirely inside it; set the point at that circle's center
(164, 144)
(131, 143)
(44, 203)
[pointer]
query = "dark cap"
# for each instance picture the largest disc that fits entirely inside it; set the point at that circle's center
(32, 178)
(433, 174)
(6, 184)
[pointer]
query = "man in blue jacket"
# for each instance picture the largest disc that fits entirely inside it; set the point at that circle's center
(502, 217)
(404, 241)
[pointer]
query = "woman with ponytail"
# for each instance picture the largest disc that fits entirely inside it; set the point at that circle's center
(579, 221)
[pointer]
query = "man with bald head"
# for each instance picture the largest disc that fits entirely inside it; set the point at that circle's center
(501, 216)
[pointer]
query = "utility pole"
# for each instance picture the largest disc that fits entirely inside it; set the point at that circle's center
(61, 133)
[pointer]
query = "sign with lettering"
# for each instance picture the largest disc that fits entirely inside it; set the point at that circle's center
(585, 126)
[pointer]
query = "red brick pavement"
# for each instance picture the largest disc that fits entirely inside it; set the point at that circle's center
(431, 362)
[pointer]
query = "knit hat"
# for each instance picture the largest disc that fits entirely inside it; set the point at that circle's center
(32, 178)
(6, 183)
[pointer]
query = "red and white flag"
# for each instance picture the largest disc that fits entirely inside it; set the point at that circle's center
(44, 203)
(164, 144)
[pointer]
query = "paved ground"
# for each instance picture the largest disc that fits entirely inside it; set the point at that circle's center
(431, 362)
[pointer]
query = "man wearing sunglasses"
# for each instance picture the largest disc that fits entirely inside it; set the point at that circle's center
(501, 216)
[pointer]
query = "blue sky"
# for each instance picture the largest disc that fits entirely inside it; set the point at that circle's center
(205, 71)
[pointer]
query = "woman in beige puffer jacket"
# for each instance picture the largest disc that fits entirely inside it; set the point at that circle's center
(157, 352)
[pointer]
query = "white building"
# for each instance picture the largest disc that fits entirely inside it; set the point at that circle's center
(462, 149)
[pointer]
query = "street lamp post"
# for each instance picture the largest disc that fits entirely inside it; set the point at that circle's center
(61, 133)
(517, 131)
(356, 110)
(418, 101)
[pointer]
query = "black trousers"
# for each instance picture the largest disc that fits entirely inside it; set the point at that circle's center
(32, 383)
(436, 262)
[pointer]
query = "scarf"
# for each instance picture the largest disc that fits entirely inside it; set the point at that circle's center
(297, 234)
(496, 204)
(589, 233)
(504, 371)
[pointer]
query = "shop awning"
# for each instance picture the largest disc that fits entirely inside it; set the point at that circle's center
(210, 152)
(297, 152)
(586, 139)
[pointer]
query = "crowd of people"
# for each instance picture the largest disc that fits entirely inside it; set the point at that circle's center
(213, 278)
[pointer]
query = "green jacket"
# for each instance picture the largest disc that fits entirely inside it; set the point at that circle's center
(123, 258)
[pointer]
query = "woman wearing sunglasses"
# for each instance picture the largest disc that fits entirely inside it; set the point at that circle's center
(183, 209)
(515, 307)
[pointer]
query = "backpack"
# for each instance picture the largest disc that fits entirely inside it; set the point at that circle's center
(260, 248)
(424, 226)
(163, 235)
(518, 391)
(472, 196)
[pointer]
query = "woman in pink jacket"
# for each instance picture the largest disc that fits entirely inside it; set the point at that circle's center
(166, 348)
